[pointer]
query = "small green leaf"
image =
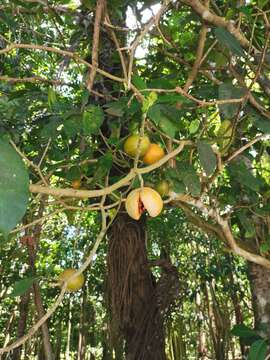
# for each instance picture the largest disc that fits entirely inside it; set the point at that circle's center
(168, 127)
(258, 350)
(194, 126)
(93, 118)
(21, 286)
(227, 39)
(14, 188)
(207, 157)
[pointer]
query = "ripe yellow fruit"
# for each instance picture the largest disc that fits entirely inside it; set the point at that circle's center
(153, 154)
(76, 184)
(143, 199)
(163, 188)
(75, 283)
(131, 145)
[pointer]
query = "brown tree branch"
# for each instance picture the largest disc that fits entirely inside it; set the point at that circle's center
(95, 48)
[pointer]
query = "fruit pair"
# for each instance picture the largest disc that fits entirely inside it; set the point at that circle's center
(149, 152)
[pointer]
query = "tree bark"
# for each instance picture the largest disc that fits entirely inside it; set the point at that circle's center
(134, 302)
(23, 312)
(260, 289)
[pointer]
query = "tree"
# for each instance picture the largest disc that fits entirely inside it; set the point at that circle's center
(73, 88)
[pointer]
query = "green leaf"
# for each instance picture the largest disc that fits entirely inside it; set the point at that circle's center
(21, 286)
(14, 188)
(258, 350)
(163, 118)
(194, 126)
(265, 247)
(73, 125)
(139, 82)
(227, 91)
(262, 124)
(246, 223)
(243, 331)
(93, 118)
(244, 176)
(227, 39)
(190, 178)
(207, 157)
(51, 97)
(168, 127)
(104, 165)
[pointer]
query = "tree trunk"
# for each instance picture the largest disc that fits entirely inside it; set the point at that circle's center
(82, 328)
(23, 312)
(134, 303)
(260, 289)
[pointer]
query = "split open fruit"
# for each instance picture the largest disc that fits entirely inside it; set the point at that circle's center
(132, 143)
(143, 199)
(73, 284)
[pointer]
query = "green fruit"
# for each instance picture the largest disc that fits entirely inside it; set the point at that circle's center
(75, 283)
(224, 134)
(131, 145)
(163, 188)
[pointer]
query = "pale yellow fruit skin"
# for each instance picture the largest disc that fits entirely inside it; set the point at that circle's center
(153, 154)
(131, 145)
(150, 198)
(152, 201)
(74, 284)
(132, 202)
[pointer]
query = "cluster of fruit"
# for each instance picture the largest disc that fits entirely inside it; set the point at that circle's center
(145, 198)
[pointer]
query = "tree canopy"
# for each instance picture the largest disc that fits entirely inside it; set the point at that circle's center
(77, 78)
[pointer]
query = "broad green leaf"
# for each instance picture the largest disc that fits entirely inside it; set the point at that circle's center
(168, 127)
(139, 82)
(207, 157)
(93, 117)
(190, 178)
(227, 39)
(262, 124)
(244, 176)
(194, 126)
(243, 331)
(73, 173)
(21, 286)
(14, 188)
(258, 350)
(227, 91)
(73, 125)
(246, 223)
(163, 118)
(103, 166)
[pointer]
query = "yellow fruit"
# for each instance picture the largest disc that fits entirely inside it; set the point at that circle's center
(131, 145)
(76, 184)
(75, 283)
(153, 154)
(224, 133)
(143, 199)
(163, 188)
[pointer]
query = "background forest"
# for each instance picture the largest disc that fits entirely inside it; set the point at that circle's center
(78, 78)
